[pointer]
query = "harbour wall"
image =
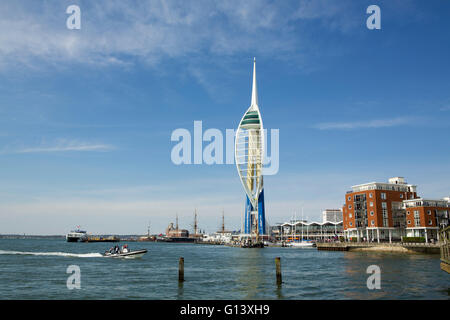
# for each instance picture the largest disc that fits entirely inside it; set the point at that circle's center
(425, 248)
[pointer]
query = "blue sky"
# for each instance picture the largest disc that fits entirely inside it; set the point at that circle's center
(86, 115)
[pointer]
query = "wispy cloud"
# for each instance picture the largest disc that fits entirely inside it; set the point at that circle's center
(380, 123)
(115, 32)
(62, 146)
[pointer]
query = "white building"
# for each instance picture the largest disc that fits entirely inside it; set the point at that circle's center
(300, 229)
(332, 215)
(218, 237)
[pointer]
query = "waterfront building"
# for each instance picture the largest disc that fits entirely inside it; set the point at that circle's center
(296, 229)
(377, 211)
(249, 153)
(424, 217)
(175, 232)
(218, 237)
(332, 215)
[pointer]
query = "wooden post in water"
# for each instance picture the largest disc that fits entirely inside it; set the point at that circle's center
(181, 270)
(278, 268)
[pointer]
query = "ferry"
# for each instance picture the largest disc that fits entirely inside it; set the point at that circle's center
(76, 235)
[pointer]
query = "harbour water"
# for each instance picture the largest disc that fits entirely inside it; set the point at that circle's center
(36, 269)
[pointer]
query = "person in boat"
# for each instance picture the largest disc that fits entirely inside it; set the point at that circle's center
(125, 248)
(116, 249)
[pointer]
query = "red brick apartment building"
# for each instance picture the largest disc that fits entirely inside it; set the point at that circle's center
(379, 212)
(425, 217)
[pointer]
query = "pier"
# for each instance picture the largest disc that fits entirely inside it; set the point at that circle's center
(445, 249)
(428, 248)
(101, 239)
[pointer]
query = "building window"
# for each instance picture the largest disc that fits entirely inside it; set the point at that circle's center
(417, 217)
(351, 224)
(409, 221)
(407, 212)
(372, 223)
(371, 213)
(429, 212)
(349, 206)
(370, 195)
(349, 198)
(371, 204)
(383, 196)
(401, 195)
(430, 222)
(349, 215)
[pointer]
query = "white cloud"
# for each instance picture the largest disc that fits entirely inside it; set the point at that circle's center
(381, 123)
(62, 145)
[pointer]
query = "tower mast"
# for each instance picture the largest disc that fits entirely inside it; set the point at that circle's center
(254, 104)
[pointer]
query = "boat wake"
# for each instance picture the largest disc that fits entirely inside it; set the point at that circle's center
(60, 254)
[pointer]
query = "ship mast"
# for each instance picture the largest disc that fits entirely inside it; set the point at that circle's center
(195, 222)
(223, 222)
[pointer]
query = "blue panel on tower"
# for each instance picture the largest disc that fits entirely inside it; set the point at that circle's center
(261, 215)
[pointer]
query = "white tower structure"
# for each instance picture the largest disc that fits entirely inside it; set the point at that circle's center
(249, 153)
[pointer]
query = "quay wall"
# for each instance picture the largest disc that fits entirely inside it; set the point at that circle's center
(381, 247)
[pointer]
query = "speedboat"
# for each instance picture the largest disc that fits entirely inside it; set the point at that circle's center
(128, 254)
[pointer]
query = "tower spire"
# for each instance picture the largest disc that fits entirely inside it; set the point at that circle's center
(254, 89)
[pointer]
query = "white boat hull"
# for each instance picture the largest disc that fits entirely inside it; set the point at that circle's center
(127, 255)
(301, 244)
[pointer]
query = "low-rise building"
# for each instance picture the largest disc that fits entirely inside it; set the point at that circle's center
(218, 237)
(424, 217)
(301, 229)
(175, 232)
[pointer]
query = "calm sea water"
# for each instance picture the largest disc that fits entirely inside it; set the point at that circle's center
(36, 269)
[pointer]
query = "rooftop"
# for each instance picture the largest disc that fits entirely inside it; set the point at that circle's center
(395, 184)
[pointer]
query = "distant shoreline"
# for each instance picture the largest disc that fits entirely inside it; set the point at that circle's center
(37, 236)
(18, 236)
